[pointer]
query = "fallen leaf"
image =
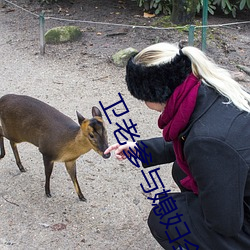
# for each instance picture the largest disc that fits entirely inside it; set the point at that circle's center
(147, 15)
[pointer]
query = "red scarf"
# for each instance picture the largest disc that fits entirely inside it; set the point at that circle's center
(174, 119)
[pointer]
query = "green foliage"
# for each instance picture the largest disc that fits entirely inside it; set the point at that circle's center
(244, 4)
(226, 6)
(211, 7)
(157, 6)
(165, 6)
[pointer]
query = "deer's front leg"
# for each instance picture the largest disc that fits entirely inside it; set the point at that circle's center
(71, 168)
(48, 165)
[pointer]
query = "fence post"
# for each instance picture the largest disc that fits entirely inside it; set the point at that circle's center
(204, 24)
(191, 35)
(42, 31)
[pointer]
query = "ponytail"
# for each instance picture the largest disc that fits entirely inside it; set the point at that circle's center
(218, 78)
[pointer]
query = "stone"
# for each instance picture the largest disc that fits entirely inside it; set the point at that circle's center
(239, 76)
(63, 34)
(121, 58)
(2, 3)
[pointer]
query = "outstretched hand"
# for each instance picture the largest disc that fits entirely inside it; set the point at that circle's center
(119, 149)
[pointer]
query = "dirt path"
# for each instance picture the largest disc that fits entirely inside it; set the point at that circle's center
(115, 214)
(76, 77)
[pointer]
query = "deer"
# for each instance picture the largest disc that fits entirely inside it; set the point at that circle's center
(58, 138)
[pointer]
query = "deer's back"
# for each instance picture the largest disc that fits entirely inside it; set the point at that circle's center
(24, 118)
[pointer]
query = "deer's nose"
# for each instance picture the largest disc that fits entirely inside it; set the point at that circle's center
(106, 156)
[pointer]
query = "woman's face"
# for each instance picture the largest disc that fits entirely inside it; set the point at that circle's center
(156, 106)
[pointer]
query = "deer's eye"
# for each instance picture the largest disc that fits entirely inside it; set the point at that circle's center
(91, 136)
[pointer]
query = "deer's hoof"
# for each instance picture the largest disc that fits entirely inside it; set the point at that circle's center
(82, 198)
(48, 195)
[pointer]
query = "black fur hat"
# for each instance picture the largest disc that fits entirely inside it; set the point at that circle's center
(156, 83)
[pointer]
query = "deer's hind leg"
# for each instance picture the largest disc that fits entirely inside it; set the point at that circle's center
(71, 168)
(1, 144)
(18, 161)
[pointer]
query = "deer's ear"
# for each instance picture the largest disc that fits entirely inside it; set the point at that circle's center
(80, 118)
(96, 111)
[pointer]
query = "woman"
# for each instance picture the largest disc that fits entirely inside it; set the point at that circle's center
(205, 118)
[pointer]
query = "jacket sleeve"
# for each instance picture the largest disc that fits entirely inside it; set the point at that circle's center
(220, 173)
(160, 150)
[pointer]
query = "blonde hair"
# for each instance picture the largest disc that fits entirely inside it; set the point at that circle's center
(203, 67)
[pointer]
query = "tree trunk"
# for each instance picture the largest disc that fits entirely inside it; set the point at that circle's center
(183, 11)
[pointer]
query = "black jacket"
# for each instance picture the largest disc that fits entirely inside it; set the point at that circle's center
(216, 145)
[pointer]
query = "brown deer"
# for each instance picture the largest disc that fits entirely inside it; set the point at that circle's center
(59, 138)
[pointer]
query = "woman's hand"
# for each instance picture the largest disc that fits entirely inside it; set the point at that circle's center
(119, 149)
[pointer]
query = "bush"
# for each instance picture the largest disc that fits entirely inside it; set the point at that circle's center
(232, 6)
(165, 6)
(156, 6)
